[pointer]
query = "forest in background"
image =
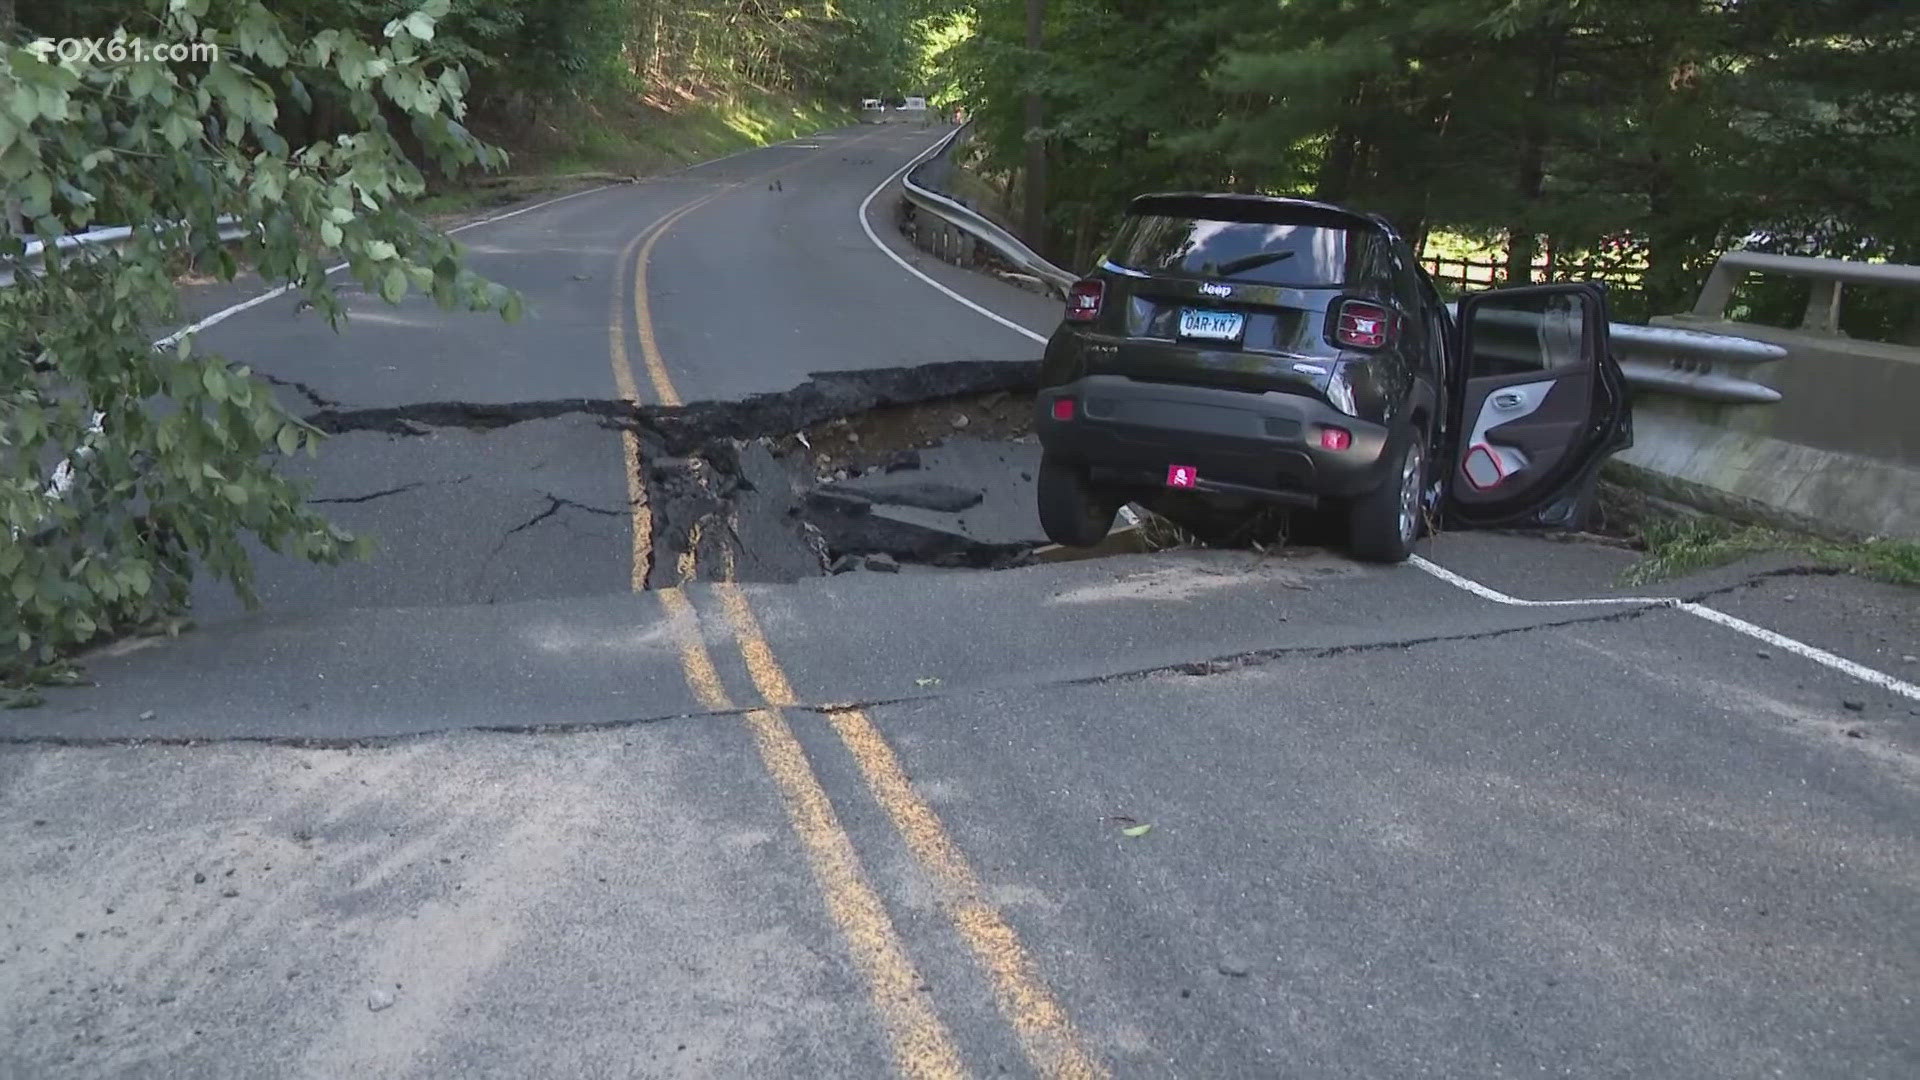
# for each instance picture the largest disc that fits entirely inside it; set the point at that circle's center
(1649, 135)
(1633, 140)
(568, 85)
(531, 53)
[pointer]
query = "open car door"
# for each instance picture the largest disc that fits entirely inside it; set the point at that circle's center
(1542, 404)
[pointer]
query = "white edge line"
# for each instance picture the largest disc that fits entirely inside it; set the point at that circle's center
(1802, 649)
(915, 271)
(1498, 597)
(227, 313)
(1759, 633)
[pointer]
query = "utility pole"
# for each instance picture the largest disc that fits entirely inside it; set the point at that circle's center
(1036, 198)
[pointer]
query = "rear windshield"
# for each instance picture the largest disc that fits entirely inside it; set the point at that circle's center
(1298, 256)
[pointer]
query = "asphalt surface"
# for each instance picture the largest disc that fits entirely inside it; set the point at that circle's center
(476, 808)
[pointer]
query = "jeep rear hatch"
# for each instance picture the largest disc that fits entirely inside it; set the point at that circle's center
(1233, 291)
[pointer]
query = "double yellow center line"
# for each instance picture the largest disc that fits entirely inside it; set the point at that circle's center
(921, 1042)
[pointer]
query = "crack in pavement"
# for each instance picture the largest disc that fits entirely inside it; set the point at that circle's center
(681, 429)
(1218, 665)
(554, 505)
(421, 418)
(401, 490)
(319, 400)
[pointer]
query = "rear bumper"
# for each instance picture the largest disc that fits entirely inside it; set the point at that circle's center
(1263, 446)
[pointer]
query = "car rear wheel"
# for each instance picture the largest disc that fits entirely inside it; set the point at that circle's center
(1073, 512)
(1385, 522)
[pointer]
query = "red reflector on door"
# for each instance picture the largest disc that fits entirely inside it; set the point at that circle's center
(1483, 469)
(1182, 476)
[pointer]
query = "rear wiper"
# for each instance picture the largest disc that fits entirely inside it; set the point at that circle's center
(1251, 262)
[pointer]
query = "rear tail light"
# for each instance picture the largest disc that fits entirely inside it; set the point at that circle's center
(1063, 408)
(1362, 325)
(1334, 438)
(1084, 300)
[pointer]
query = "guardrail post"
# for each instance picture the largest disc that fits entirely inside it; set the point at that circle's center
(1717, 294)
(1823, 308)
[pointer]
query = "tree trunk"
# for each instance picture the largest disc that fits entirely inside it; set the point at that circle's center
(1083, 239)
(1530, 182)
(1035, 224)
(1668, 283)
(1335, 182)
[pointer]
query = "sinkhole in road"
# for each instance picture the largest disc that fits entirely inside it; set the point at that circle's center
(881, 469)
(938, 476)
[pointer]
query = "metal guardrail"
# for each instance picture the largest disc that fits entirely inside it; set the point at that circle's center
(1823, 307)
(1666, 359)
(964, 217)
(1690, 363)
(113, 237)
(66, 471)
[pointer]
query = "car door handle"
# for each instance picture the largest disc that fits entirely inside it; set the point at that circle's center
(1509, 401)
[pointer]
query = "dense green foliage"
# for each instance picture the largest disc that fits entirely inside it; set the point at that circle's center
(1650, 132)
(124, 466)
(525, 52)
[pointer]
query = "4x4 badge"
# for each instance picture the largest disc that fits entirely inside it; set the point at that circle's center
(1208, 288)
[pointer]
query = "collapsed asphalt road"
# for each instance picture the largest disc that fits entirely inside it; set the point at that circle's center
(739, 484)
(510, 800)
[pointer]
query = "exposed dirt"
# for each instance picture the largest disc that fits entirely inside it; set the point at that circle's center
(772, 508)
(879, 438)
(737, 489)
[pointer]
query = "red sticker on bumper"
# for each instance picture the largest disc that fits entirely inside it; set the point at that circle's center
(1182, 476)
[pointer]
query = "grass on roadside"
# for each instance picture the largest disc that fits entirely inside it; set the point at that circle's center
(1682, 545)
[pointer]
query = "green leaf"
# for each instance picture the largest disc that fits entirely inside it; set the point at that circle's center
(214, 378)
(393, 287)
(36, 194)
(1136, 831)
(420, 25)
(236, 494)
(23, 587)
(178, 130)
(289, 440)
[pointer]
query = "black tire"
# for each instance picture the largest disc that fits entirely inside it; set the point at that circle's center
(1072, 512)
(1384, 523)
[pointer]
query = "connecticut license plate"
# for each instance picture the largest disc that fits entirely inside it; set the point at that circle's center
(1211, 325)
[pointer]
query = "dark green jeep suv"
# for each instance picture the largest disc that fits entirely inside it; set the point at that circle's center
(1236, 350)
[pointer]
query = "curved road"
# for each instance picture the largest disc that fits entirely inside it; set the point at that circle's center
(480, 808)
